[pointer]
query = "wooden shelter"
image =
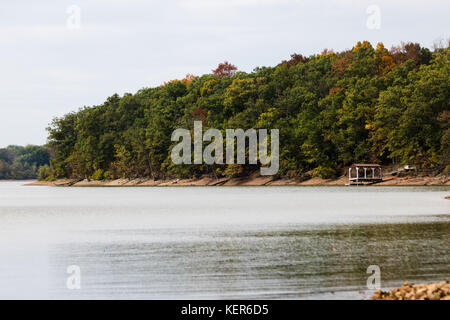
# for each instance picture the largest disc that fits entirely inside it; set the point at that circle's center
(365, 172)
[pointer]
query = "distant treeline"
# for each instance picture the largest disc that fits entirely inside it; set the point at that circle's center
(365, 104)
(18, 162)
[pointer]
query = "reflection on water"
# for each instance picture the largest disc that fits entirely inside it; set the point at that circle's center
(156, 243)
(256, 264)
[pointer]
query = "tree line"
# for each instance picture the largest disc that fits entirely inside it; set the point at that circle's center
(365, 104)
(17, 162)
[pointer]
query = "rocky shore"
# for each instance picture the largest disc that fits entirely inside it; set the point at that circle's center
(430, 291)
(252, 180)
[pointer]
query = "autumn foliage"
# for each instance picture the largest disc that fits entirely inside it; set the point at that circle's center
(225, 69)
(365, 104)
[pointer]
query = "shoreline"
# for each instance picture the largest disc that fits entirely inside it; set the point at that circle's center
(253, 180)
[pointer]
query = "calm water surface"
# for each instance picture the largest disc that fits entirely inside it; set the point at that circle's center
(219, 242)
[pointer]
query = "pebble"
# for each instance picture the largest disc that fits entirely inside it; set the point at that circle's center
(430, 291)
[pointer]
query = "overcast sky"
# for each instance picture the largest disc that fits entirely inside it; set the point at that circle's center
(49, 66)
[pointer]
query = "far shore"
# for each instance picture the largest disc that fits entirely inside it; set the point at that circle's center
(254, 180)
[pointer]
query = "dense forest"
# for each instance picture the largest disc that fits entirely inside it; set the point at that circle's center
(364, 104)
(18, 162)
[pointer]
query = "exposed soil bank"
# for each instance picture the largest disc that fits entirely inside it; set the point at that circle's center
(431, 291)
(253, 180)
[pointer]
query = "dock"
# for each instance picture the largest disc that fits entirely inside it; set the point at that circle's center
(364, 173)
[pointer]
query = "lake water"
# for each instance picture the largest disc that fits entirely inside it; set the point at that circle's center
(219, 242)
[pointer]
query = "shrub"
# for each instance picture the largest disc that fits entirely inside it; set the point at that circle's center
(44, 173)
(447, 170)
(98, 175)
(324, 172)
(233, 170)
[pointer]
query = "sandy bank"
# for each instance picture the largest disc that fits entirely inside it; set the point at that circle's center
(253, 180)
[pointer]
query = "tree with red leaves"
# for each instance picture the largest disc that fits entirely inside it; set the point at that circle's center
(295, 59)
(225, 69)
